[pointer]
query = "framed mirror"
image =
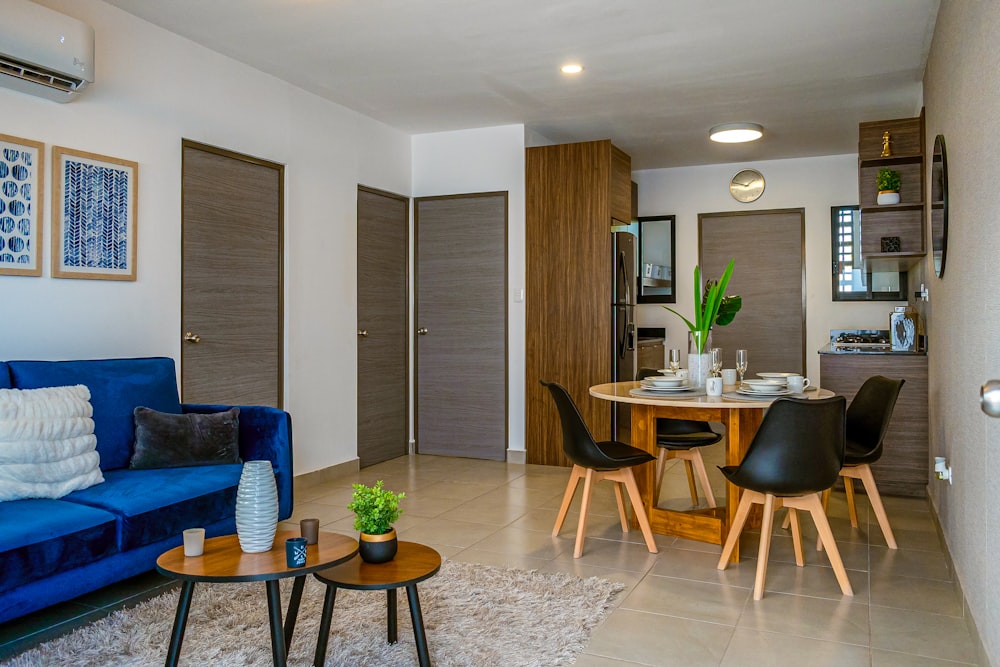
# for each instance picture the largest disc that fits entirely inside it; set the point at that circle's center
(939, 205)
(656, 260)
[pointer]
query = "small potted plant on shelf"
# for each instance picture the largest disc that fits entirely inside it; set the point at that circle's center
(375, 509)
(887, 182)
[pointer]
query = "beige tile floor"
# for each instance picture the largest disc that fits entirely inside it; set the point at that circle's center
(677, 608)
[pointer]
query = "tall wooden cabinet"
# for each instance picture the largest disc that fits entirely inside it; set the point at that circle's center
(904, 220)
(572, 191)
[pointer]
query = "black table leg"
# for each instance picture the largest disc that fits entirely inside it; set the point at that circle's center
(274, 615)
(293, 610)
(324, 626)
(418, 626)
(180, 622)
(390, 615)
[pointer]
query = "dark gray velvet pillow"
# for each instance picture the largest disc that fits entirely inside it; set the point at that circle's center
(165, 440)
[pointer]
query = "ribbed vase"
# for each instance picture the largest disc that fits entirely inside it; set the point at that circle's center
(256, 507)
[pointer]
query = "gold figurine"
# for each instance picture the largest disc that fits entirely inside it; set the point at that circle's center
(886, 151)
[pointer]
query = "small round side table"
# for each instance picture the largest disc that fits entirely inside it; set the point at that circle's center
(413, 563)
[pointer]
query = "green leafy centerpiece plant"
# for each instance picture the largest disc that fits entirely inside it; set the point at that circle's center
(888, 183)
(711, 307)
(375, 510)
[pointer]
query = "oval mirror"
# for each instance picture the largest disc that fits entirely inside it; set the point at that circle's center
(939, 205)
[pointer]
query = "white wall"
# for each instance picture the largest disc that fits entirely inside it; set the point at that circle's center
(154, 88)
(963, 314)
(486, 160)
(814, 184)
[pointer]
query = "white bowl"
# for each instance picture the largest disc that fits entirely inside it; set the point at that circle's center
(764, 388)
(664, 381)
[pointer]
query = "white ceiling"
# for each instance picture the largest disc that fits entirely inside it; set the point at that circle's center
(659, 73)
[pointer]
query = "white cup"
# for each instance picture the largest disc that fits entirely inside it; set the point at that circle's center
(194, 541)
(797, 384)
(681, 373)
(713, 386)
(728, 376)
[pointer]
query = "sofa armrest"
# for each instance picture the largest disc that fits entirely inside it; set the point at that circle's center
(265, 434)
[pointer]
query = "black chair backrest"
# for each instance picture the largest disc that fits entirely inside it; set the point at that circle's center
(674, 426)
(578, 443)
(869, 413)
(798, 449)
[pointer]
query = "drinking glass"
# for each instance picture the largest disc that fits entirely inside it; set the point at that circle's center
(716, 361)
(741, 363)
(675, 360)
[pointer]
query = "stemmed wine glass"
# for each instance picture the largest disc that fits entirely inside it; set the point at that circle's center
(716, 361)
(741, 363)
(675, 360)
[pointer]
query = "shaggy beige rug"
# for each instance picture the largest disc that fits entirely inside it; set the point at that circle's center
(473, 614)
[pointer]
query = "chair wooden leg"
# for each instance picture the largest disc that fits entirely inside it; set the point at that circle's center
(865, 474)
(621, 506)
(813, 504)
(581, 528)
(825, 502)
(742, 512)
(767, 522)
(661, 464)
(792, 517)
(706, 485)
(692, 489)
(574, 480)
(628, 477)
(851, 507)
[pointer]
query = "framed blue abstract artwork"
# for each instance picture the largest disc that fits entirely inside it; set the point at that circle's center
(20, 206)
(93, 215)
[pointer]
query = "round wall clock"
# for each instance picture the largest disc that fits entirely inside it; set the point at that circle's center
(747, 186)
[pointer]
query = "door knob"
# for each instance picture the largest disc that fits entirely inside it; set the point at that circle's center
(192, 337)
(363, 333)
(422, 331)
(989, 398)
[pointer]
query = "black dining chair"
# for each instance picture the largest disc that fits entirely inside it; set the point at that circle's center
(797, 453)
(681, 439)
(867, 422)
(592, 462)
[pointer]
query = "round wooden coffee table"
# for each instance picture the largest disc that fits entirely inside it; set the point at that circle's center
(224, 562)
(413, 563)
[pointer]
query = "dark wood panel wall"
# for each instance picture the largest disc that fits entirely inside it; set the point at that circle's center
(903, 469)
(572, 192)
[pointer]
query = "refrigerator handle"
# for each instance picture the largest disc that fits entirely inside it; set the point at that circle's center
(630, 337)
(624, 277)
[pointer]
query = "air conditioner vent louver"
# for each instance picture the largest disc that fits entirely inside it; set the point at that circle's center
(40, 76)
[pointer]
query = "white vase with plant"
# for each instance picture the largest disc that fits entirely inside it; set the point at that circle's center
(711, 307)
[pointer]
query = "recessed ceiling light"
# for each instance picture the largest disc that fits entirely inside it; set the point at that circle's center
(572, 69)
(736, 133)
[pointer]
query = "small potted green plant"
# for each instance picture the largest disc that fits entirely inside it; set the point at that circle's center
(887, 182)
(375, 510)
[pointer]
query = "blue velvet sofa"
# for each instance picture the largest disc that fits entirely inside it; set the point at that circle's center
(56, 550)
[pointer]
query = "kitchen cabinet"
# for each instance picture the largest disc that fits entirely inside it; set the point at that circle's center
(904, 220)
(572, 194)
(903, 469)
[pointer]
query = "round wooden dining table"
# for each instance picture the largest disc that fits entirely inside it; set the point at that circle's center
(740, 415)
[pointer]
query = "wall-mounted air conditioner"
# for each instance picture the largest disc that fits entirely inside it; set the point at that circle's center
(43, 52)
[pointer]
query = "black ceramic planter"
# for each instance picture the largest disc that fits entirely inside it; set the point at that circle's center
(378, 548)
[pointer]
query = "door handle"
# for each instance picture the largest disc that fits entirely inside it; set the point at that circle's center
(192, 337)
(989, 398)
(422, 331)
(363, 333)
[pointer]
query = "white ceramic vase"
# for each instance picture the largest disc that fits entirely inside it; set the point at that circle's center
(699, 365)
(887, 198)
(256, 507)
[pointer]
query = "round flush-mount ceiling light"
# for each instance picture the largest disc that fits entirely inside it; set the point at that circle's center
(572, 68)
(736, 133)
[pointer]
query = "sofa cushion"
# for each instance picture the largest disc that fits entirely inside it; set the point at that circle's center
(4, 376)
(156, 504)
(117, 387)
(164, 440)
(39, 537)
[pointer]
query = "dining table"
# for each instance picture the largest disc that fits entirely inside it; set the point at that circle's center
(740, 414)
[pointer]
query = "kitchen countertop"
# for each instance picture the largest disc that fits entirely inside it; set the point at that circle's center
(829, 349)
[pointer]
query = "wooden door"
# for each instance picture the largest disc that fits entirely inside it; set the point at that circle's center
(769, 273)
(383, 371)
(231, 275)
(461, 320)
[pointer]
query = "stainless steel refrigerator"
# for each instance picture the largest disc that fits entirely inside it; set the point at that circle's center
(623, 299)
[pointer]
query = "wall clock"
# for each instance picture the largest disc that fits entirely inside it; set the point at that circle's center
(747, 186)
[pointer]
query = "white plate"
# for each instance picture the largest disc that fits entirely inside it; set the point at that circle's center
(659, 389)
(684, 393)
(664, 382)
(770, 394)
(776, 376)
(770, 382)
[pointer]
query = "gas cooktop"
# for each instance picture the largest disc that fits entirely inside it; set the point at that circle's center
(860, 340)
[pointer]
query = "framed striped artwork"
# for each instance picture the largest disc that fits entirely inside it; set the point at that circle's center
(21, 169)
